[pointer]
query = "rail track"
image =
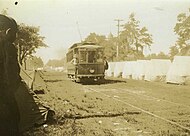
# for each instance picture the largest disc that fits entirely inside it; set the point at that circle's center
(138, 96)
(155, 98)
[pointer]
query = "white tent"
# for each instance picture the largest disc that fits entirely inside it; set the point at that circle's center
(118, 68)
(34, 80)
(156, 69)
(139, 69)
(110, 71)
(32, 110)
(28, 76)
(38, 84)
(128, 69)
(179, 71)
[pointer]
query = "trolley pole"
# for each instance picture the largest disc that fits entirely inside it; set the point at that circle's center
(79, 31)
(118, 37)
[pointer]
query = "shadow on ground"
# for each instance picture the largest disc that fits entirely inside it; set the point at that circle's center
(105, 81)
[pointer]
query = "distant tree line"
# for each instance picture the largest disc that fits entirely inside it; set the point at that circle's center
(56, 63)
(160, 55)
(33, 63)
(133, 39)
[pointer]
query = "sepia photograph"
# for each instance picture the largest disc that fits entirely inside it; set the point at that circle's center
(94, 68)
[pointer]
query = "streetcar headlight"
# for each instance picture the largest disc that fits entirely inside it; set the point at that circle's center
(92, 70)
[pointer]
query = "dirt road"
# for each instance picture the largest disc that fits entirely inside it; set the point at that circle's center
(116, 107)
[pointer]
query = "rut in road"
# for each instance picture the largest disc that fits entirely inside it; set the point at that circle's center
(101, 116)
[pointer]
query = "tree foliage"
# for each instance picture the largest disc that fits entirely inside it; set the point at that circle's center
(129, 36)
(110, 47)
(93, 37)
(133, 38)
(34, 63)
(182, 29)
(56, 63)
(173, 51)
(28, 41)
(109, 44)
(131, 41)
(160, 55)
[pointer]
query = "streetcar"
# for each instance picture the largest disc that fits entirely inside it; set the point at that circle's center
(86, 62)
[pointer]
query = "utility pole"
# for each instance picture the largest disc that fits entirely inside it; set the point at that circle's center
(118, 37)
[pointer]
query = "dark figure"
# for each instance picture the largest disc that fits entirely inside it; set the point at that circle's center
(9, 78)
(105, 63)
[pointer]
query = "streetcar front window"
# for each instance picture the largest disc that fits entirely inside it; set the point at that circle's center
(95, 56)
(91, 57)
(82, 57)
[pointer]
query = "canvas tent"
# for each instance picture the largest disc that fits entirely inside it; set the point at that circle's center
(109, 72)
(34, 80)
(118, 70)
(27, 76)
(38, 84)
(31, 108)
(156, 69)
(179, 71)
(128, 69)
(139, 69)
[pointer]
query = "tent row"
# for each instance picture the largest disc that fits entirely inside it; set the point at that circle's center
(177, 72)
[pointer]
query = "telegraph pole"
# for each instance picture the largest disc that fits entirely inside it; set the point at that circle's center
(118, 37)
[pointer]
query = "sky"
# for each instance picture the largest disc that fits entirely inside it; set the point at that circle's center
(65, 22)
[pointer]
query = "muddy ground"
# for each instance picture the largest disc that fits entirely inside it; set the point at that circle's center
(116, 107)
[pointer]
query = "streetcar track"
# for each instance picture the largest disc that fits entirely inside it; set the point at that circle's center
(148, 96)
(155, 98)
(142, 110)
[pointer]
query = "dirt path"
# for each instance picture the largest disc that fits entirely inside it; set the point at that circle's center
(117, 108)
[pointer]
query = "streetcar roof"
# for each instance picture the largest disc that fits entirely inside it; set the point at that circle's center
(86, 45)
(90, 46)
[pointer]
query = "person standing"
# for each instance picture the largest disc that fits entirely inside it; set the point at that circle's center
(9, 78)
(105, 63)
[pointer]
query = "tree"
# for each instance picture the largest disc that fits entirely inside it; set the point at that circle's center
(34, 63)
(56, 63)
(134, 38)
(37, 61)
(93, 37)
(129, 36)
(160, 55)
(109, 44)
(145, 39)
(173, 51)
(151, 56)
(28, 41)
(110, 47)
(182, 29)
